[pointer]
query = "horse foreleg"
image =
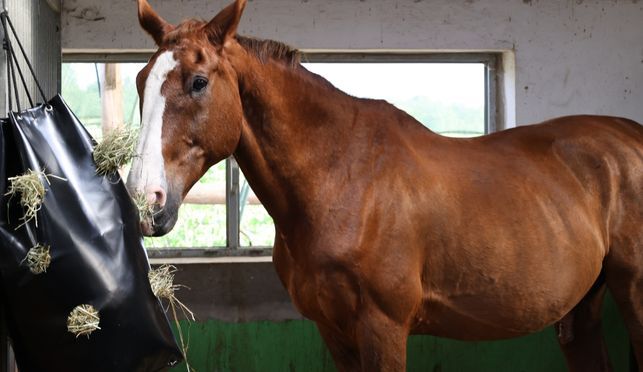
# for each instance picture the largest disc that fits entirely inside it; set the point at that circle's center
(580, 335)
(381, 342)
(344, 351)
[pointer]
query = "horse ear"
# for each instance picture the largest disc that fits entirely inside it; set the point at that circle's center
(151, 22)
(223, 27)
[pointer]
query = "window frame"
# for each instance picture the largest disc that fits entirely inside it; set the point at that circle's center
(491, 61)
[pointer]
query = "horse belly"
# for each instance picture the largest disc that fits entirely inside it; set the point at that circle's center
(509, 278)
(500, 299)
(478, 317)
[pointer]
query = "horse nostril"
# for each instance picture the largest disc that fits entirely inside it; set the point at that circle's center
(156, 195)
(160, 198)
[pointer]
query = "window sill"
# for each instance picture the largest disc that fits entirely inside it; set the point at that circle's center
(209, 255)
(208, 260)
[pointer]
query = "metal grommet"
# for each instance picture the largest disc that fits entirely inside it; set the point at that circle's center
(49, 108)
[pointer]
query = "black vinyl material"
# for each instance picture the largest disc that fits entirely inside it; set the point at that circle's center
(98, 258)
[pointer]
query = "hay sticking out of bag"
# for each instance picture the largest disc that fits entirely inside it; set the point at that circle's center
(162, 283)
(31, 190)
(117, 149)
(38, 259)
(83, 320)
(145, 208)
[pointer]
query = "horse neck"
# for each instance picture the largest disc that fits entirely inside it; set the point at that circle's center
(296, 126)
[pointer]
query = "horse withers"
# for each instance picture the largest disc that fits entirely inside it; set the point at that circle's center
(384, 228)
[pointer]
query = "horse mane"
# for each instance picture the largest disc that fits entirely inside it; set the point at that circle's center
(264, 50)
(270, 49)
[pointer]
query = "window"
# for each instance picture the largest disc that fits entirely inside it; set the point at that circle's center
(452, 94)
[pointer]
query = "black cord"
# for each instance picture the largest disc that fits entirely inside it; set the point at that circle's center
(22, 78)
(15, 86)
(4, 15)
(5, 46)
(11, 75)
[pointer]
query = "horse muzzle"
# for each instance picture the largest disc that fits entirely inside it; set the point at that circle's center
(161, 221)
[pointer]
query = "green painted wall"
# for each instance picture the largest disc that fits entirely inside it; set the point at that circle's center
(296, 346)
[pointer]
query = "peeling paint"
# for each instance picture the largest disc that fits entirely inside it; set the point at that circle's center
(88, 14)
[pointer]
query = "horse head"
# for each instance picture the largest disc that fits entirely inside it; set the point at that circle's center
(187, 90)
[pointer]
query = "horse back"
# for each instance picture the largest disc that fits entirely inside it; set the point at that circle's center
(604, 154)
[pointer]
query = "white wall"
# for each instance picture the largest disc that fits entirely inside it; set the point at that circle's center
(571, 56)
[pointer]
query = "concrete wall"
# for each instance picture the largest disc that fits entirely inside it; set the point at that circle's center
(234, 291)
(571, 56)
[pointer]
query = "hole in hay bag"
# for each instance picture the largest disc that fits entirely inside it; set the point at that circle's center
(96, 259)
(91, 227)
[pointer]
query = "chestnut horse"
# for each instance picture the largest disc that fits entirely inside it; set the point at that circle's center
(384, 228)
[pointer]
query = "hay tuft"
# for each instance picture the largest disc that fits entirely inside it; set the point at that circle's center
(162, 283)
(38, 259)
(115, 150)
(145, 208)
(31, 190)
(83, 320)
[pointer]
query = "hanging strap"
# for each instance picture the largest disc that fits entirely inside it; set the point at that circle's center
(13, 65)
(10, 82)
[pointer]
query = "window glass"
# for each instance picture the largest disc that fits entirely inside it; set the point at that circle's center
(80, 91)
(202, 216)
(448, 98)
(256, 228)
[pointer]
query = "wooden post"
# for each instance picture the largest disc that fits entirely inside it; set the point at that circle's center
(111, 98)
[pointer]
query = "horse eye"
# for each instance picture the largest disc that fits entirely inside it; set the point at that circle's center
(199, 84)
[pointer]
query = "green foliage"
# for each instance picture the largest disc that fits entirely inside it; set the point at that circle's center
(84, 102)
(257, 227)
(198, 226)
(446, 119)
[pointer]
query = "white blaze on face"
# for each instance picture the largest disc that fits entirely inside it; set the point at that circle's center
(147, 173)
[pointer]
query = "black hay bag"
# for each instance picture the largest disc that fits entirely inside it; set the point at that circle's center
(97, 256)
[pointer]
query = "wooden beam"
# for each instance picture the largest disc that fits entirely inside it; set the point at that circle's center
(111, 98)
(206, 194)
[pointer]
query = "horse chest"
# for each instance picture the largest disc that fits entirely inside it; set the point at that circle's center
(324, 293)
(298, 281)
